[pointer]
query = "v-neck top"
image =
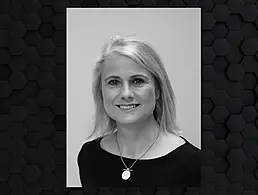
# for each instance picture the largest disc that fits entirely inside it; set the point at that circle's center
(99, 168)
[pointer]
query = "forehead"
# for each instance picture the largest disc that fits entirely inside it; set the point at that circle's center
(122, 66)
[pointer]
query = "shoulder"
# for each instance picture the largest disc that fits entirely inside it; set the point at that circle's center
(189, 153)
(191, 160)
(191, 149)
(90, 144)
(88, 148)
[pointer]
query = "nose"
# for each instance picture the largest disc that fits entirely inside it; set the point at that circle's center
(126, 92)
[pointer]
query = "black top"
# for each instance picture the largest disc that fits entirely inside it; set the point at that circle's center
(99, 168)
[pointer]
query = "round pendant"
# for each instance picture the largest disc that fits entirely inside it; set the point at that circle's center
(126, 174)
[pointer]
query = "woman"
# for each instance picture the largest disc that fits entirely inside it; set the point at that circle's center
(138, 141)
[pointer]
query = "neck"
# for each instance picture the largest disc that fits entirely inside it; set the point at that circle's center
(134, 139)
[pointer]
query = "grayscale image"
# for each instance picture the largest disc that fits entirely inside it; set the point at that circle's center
(129, 126)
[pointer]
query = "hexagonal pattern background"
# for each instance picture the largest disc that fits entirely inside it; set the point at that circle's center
(33, 99)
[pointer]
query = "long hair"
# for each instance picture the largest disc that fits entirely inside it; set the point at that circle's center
(165, 108)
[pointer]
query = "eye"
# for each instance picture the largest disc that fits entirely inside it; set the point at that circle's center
(115, 82)
(138, 81)
(112, 82)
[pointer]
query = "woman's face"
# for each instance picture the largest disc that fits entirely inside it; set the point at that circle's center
(125, 82)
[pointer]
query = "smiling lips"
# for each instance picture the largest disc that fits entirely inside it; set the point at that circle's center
(128, 107)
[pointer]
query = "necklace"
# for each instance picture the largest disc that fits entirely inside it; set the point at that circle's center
(127, 171)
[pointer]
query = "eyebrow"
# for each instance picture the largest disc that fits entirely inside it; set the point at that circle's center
(133, 76)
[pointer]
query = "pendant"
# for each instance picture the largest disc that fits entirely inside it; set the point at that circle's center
(126, 174)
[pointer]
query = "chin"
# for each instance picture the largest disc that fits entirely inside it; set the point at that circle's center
(131, 120)
(127, 121)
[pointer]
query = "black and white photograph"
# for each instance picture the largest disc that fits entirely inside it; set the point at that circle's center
(133, 97)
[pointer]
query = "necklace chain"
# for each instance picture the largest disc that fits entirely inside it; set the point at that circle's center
(137, 158)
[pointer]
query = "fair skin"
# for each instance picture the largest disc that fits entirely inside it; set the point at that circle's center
(136, 129)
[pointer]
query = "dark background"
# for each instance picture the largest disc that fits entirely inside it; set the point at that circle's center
(33, 96)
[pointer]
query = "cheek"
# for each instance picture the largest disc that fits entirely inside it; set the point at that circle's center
(148, 95)
(108, 96)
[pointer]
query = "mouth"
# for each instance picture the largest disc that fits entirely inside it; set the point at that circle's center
(128, 107)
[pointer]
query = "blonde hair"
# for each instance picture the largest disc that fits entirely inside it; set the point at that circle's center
(165, 109)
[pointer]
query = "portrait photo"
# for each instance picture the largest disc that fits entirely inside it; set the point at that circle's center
(133, 97)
